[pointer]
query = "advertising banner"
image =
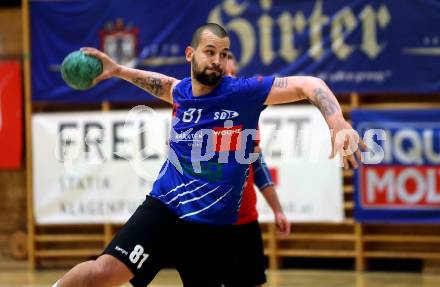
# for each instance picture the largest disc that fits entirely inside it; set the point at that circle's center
(355, 46)
(11, 115)
(400, 181)
(97, 167)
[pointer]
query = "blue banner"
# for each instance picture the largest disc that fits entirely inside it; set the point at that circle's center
(355, 46)
(400, 178)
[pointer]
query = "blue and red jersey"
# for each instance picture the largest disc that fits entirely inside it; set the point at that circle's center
(211, 148)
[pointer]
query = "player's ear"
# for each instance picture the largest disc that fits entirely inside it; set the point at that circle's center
(189, 53)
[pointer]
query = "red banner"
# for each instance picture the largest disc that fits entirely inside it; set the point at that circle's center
(10, 115)
(411, 187)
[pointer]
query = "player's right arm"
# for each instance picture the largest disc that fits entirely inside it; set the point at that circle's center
(159, 85)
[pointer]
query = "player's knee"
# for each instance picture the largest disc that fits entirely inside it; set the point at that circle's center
(94, 274)
(105, 270)
(101, 270)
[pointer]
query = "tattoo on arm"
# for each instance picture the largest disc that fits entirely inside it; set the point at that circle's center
(280, 83)
(153, 85)
(324, 102)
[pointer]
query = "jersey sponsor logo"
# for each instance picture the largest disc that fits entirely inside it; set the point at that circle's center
(184, 137)
(227, 138)
(225, 115)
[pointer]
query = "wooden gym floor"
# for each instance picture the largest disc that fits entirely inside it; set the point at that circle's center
(284, 278)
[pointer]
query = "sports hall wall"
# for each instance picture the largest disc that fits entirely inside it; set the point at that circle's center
(359, 242)
(12, 180)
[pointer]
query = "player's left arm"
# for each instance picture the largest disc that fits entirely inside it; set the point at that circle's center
(345, 140)
(263, 180)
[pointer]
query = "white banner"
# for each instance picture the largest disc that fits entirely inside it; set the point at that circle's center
(97, 167)
(296, 145)
(84, 171)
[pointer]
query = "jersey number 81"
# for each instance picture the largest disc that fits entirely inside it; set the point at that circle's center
(188, 115)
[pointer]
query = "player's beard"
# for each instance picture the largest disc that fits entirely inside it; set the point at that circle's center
(203, 77)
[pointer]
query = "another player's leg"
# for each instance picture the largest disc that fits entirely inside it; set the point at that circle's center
(203, 258)
(249, 254)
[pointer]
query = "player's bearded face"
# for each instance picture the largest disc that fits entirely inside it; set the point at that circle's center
(209, 75)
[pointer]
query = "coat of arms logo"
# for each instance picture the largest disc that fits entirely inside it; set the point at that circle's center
(120, 42)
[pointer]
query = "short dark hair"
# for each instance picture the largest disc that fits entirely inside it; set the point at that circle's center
(214, 28)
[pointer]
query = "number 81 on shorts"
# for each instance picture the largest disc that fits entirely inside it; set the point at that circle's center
(136, 254)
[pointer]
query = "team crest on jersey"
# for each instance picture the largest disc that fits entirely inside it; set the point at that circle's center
(227, 138)
(120, 42)
(225, 115)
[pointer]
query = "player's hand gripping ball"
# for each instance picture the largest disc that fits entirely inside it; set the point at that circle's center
(79, 70)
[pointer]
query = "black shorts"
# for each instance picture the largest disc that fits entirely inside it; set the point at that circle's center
(154, 237)
(249, 260)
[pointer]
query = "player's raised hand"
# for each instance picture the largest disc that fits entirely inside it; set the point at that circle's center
(347, 143)
(110, 67)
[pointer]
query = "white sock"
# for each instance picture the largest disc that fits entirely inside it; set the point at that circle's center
(56, 284)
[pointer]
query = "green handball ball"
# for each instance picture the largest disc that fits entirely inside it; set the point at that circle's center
(79, 70)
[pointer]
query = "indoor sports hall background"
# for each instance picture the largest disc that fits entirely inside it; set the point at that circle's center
(75, 164)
